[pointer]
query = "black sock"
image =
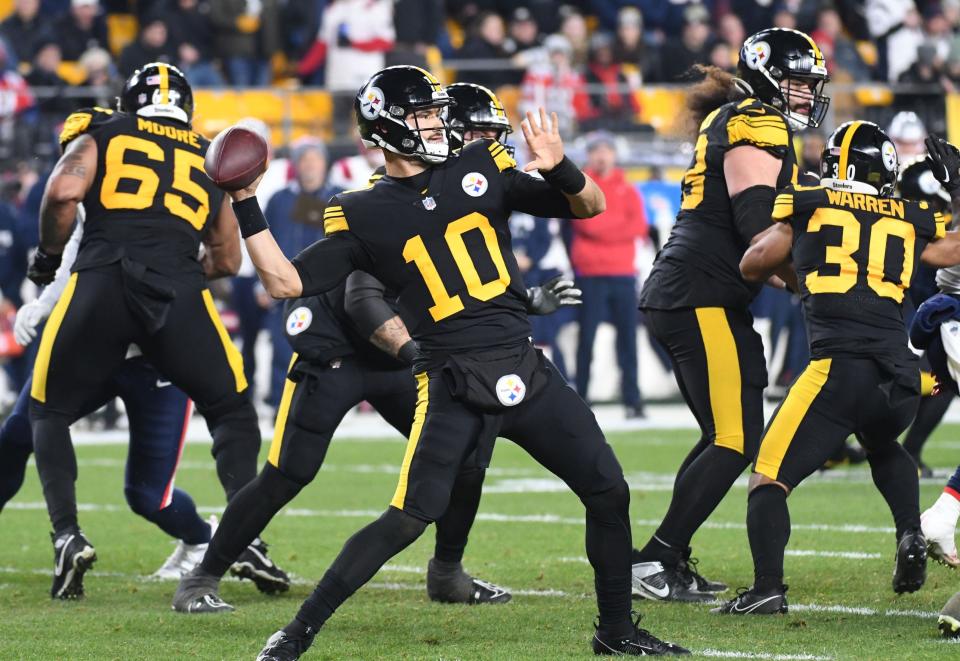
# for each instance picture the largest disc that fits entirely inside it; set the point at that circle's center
(931, 412)
(609, 545)
(236, 443)
(768, 527)
(896, 478)
(454, 526)
(697, 492)
(57, 465)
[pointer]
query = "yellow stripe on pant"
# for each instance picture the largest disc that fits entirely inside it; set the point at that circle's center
(289, 387)
(419, 416)
(927, 383)
(42, 365)
(786, 421)
(723, 377)
(233, 354)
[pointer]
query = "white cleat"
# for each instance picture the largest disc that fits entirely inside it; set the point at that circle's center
(184, 558)
(939, 525)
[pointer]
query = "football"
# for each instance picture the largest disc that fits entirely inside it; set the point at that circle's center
(235, 158)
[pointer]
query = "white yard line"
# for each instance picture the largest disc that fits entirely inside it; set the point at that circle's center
(721, 654)
(800, 553)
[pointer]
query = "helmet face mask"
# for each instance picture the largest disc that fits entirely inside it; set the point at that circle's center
(478, 110)
(771, 60)
(860, 157)
(388, 108)
(158, 90)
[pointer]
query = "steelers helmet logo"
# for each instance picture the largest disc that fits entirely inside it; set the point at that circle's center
(889, 155)
(756, 54)
(371, 102)
(510, 390)
(474, 184)
(299, 320)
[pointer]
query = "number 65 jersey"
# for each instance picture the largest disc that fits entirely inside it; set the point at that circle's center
(855, 254)
(441, 241)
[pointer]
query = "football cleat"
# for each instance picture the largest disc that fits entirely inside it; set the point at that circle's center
(283, 647)
(751, 602)
(652, 580)
(949, 620)
(910, 566)
(254, 564)
(939, 526)
(448, 583)
(199, 593)
(639, 643)
(695, 581)
(72, 556)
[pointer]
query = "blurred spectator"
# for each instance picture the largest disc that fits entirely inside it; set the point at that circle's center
(937, 29)
(612, 102)
(417, 24)
(357, 34)
(352, 172)
(191, 34)
(838, 50)
(730, 31)
(15, 101)
(82, 28)
(26, 29)
(641, 63)
(14, 247)
(100, 79)
(925, 70)
(153, 45)
(693, 47)
(574, 28)
(783, 18)
(44, 74)
(756, 14)
(907, 131)
(295, 214)
(666, 19)
(488, 41)
(602, 252)
(723, 57)
(247, 37)
(300, 24)
(895, 25)
(554, 84)
(951, 69)
(524, 32)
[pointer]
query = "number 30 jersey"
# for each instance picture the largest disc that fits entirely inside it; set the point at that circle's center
(150, 199)
(440, 240)
(855, 254)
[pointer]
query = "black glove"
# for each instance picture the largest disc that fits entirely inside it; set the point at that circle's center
(43, 267)
(553, 294)
(944, 160)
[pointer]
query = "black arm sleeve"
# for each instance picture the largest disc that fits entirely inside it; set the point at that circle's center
(325, 264)
(753, 210)
(535, 196)
(364, 303)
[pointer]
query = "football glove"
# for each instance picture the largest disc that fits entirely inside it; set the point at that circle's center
(28, 318)
(555, 293)
(945, 162)
(43, 267)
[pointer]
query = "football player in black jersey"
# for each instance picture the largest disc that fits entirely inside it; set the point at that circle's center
(855, 249)
(137, 280)
(696, 302)
(434, 229)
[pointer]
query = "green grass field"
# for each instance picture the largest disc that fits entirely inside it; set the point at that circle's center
(529, 537)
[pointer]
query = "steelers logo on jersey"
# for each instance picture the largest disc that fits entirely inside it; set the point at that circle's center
(299, 320)
(510, 390)
(889, 154)
(371, 102)
(474, 184)
(756, 54)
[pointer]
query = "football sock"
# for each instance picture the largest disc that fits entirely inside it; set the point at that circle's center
(609, 545)
(361, 557)
(454, 526)
(768, 527)
(954, 484)
(895, 475)
(57, 465)
(247, 514)
(695, 452)
(697, 492)
(931, 412)
(179, 519)
(236, 443)
(16, 444)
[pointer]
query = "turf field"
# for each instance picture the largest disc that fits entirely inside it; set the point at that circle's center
(529, 537)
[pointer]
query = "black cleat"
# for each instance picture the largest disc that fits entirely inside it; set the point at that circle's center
(282, 647)
(199, 593)
(254, 564)
(949, 620)
(750, 602)
(654, 580)
(72, 556)
(695, 581)
(639, 643)
(910, 567)
(448, 583)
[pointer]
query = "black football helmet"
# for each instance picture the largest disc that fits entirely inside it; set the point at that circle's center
(773, 56)
(387, 98)
(476, 108)
(158, 90)
(916, 182)
(860, 157)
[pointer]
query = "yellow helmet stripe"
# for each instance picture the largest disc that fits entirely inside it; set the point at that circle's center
(845, 148)
(816, 49)
(430, 79)
(164, 83)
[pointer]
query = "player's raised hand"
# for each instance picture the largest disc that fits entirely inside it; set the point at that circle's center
(944, 161)
(247, 191)
(543, 140)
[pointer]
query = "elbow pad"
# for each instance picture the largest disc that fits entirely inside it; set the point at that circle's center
(752, 210)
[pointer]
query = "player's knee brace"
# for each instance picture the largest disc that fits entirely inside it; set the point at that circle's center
(279, 489)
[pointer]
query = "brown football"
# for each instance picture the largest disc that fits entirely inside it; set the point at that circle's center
(235, 158)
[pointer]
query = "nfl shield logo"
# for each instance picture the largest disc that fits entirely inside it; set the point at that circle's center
(429, 203)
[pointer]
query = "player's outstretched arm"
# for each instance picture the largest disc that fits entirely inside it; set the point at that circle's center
(943, 252)
(768, 255)
(221, 242)
(546, 150)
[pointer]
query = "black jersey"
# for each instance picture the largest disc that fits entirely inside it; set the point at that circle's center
(855, 255)
(440, 240)
(699, 266)
(150, 199)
